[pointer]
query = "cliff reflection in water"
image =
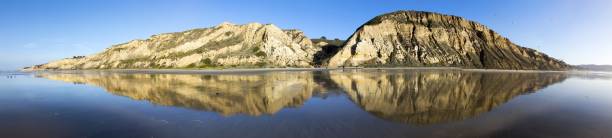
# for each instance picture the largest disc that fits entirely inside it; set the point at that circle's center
(413, 97)
(432, 97)
(250, 94)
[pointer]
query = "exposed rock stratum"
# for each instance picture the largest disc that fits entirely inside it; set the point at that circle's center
(414, 38)
(225, 45)
(402, 38)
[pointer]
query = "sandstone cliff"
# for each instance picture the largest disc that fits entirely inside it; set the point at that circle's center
(412, 38)
(226, 45)
(403, 38)
(329, 48)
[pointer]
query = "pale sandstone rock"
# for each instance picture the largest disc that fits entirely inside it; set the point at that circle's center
(225, 45)
(403, 38)
(412, 38)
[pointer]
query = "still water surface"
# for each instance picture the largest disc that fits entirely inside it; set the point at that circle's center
(365, 103)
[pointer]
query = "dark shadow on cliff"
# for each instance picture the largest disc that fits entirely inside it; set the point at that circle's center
(329, 48)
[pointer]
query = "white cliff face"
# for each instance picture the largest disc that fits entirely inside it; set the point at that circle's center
(226, 45)
(411, 38)
(403, 38)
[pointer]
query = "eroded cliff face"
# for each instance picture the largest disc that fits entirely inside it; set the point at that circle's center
(412, 38)
(403, 38)
(248, 94)
(225, 45)
(433, 97)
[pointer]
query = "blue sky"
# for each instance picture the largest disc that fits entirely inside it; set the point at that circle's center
(37, 31)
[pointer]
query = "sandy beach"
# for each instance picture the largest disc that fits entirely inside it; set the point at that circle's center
(254, 70)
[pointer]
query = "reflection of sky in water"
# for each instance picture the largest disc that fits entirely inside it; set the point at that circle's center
(325, 105)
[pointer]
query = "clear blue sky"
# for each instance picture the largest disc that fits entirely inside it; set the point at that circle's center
(37, 31)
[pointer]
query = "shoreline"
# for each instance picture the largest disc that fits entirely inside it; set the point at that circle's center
(254, 70)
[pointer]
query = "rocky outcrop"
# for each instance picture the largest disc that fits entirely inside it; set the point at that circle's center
(226, 45)
(403, 38)
(329, 48)
(413, 38)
